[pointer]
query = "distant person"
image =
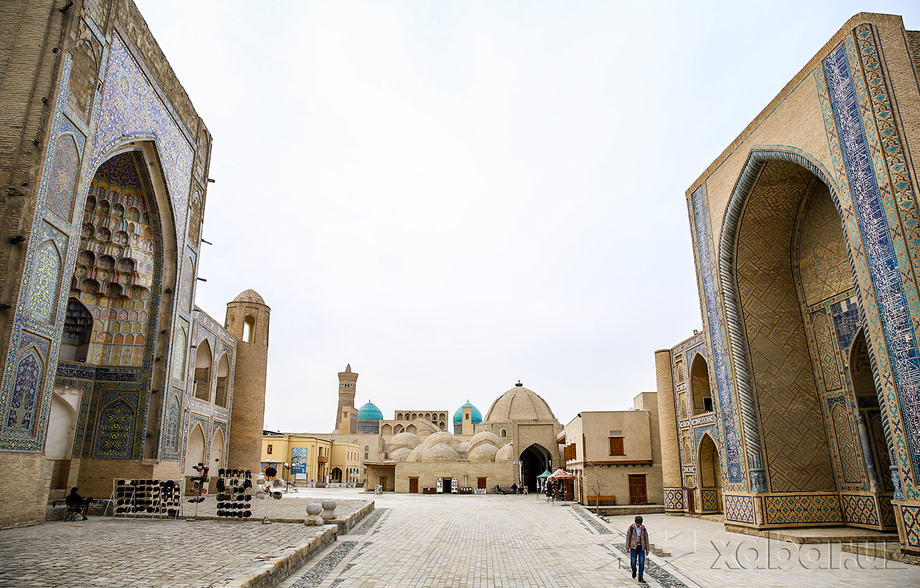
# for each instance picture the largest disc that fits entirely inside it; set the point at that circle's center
(637, 541)
(514, 488)
(75, 501)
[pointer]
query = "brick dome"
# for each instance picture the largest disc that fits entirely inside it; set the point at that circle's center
(249, 296)
(519, 404)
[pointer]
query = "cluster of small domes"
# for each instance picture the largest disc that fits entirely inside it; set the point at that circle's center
(442, 447)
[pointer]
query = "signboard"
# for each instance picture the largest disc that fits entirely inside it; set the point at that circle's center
(299, 461)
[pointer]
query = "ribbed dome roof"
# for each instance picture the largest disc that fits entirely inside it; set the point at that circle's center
(249, 296)
(519, 404)
(370, 412)
(475, 415)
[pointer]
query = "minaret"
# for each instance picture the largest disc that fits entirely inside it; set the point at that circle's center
(247, 320)
(344, 422)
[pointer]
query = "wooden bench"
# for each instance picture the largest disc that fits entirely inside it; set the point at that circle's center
(602, 500)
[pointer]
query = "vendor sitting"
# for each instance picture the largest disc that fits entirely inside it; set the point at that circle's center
(76, 502)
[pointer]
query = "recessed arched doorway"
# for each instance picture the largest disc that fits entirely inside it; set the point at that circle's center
(195, 451)
(786, 254)
(710, 476)
(336, 475)
(869, 408)
(699, 386)
(534, 461)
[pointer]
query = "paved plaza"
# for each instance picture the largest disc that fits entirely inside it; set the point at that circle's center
(426, 541)
(523, 541)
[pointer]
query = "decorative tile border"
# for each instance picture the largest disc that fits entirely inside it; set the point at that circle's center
(797, 509)
(716, 337)
(740, 509)
(860, 509)
(881, 253)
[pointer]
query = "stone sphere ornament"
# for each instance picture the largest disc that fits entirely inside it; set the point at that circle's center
(313, 518)
(329, 509)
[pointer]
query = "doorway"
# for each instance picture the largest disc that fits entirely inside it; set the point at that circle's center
(638, 494)
(534, 461)
(710, 476)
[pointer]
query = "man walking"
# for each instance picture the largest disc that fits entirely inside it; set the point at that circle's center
(637, 541)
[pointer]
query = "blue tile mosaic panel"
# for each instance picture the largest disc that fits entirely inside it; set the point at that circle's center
(884, 269)
(63, 182)
(115, 433)
(726, 404)
(46, 275)
(132, 108)
(21, 415)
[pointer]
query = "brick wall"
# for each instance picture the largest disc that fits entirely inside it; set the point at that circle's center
(23, 488)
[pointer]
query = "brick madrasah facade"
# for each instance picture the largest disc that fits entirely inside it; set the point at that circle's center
(799, 402)
(109, 369)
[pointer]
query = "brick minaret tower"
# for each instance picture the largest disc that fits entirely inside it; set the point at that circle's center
(343, 420)
(247, 320)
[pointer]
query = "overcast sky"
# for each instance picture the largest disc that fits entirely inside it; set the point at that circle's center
(452, 196)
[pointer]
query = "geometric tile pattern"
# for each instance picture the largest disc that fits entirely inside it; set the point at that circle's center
(827, 352)
(732, 448)
(673, 499)
(709, 499)
(739, 509)
(888, 520)
(859, 509)
(848, 450)
(911, 518)
(891, 292)
(822, 250)
(792, 424)
(822, 508)
(846, 322)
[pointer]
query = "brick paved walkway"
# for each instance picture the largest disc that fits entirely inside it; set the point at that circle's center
(427, 541)
(521, 541)
(103, 552)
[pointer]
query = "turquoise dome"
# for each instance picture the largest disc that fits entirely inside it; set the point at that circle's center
(475, 415)
(370, 412)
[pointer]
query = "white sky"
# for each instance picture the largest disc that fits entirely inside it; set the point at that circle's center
(452, 196)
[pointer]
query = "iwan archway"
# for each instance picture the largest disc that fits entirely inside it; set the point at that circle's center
(793, 307)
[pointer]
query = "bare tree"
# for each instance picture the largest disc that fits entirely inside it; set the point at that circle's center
(593, 481)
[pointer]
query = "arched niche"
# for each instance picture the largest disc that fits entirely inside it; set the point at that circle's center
(249, 328)
(221, 394)
(217, 450)
(195, 450)
(769, 287)
(203, 362)
(699, 385)
(710, 475)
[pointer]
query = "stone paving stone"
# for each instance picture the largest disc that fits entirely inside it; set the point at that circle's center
(523, 541)
(103, 552)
